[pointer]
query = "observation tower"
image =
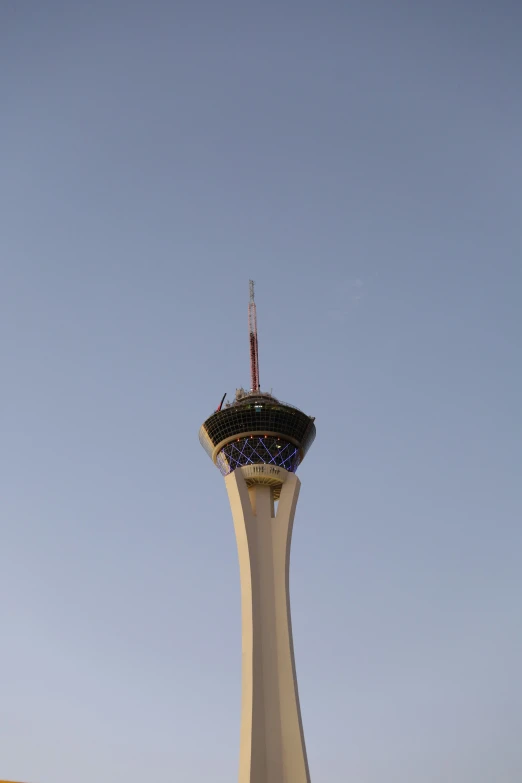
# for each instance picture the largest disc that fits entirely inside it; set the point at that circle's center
(258, 443)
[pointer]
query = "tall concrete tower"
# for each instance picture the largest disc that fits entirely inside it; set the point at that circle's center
(258, 442)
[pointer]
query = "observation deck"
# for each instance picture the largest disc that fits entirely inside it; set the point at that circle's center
(257, 429)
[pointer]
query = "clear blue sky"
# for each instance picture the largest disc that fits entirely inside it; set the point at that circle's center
(362, 162)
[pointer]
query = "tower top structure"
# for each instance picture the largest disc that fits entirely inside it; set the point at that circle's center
(256, 428)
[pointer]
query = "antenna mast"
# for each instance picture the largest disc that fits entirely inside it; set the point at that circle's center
(252, 328)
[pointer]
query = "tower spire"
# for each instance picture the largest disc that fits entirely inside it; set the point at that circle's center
(252, 329)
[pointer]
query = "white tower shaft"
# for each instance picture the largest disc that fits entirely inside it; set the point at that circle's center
(272, 747)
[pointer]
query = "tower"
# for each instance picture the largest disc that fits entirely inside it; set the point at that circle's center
(258, 442)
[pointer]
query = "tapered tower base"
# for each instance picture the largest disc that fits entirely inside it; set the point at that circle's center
(272, 747)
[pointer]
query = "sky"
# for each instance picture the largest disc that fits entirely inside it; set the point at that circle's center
(361, 161)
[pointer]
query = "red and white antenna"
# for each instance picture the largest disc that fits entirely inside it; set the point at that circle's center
(252, 328)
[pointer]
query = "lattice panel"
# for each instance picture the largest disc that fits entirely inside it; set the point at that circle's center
(258, 450)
